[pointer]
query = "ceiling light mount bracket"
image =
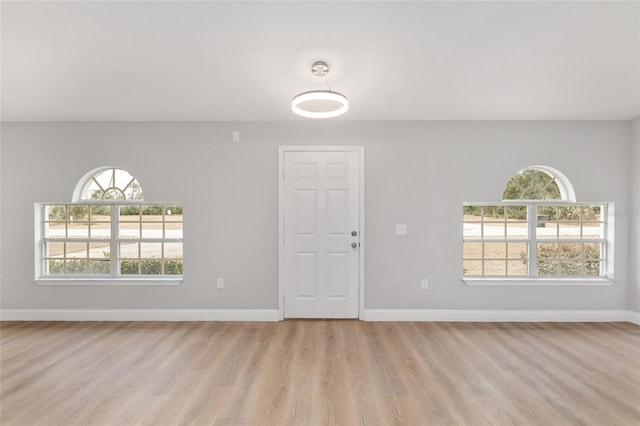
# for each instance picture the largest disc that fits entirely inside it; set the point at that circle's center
(319, 68)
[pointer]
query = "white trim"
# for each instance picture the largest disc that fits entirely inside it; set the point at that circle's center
(139, 315)
(532, 282)
(109, 281)
(634, 317)
(280, 233)
(501, 315)
(566, 188)
(433, 315)
(293, 148)
(363, 236)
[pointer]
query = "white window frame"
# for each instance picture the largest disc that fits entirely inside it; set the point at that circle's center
(605, 279)
(114, 277)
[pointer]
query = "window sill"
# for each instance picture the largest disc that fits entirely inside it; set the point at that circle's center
(533, 282)
(126, 281)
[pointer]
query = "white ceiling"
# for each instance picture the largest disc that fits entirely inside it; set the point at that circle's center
(219, 61)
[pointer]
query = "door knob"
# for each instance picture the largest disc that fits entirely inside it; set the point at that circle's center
(354, 233)
(354, 245)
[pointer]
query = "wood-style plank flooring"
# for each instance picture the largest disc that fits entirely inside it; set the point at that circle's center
(319, 373)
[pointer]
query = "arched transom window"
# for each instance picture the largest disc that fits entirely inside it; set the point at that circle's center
(532, 184)
(538, 183)
(108, 183)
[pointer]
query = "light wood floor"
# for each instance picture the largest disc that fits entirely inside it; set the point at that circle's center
(319, 373)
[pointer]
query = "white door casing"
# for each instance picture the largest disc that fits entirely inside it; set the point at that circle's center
(321, 208)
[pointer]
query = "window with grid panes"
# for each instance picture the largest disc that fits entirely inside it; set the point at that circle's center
(110, 232)
(535, 232)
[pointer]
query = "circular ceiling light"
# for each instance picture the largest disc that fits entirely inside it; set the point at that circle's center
(320, 103)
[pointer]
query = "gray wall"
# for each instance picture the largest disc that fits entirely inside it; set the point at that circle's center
(634, 217)
(417, 173)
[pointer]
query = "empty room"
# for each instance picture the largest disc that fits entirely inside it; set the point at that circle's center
(320, 213)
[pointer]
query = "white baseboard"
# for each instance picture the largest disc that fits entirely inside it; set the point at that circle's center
(500, 315)
(634, 317)
(139, 315)
(272, 315)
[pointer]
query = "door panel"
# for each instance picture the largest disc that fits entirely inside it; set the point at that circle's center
(320, 212)
(337, 213)
(337, 275)
(307, 213)
(306, 275)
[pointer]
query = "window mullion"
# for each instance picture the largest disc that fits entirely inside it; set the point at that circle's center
(532, 222)
(604, 255)
(44, 266)
(115, 239)
(482, 209)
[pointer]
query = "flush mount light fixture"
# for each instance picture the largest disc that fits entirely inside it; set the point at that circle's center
(320, 103)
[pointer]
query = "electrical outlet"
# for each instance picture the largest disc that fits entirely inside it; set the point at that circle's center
(220, 283)
(424, 284)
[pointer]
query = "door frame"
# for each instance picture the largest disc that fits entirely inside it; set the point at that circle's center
(294, 148)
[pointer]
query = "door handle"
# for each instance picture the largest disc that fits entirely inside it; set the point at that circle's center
(354, 233)
(354, 244)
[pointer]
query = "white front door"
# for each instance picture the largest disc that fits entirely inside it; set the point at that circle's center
(320, 215)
